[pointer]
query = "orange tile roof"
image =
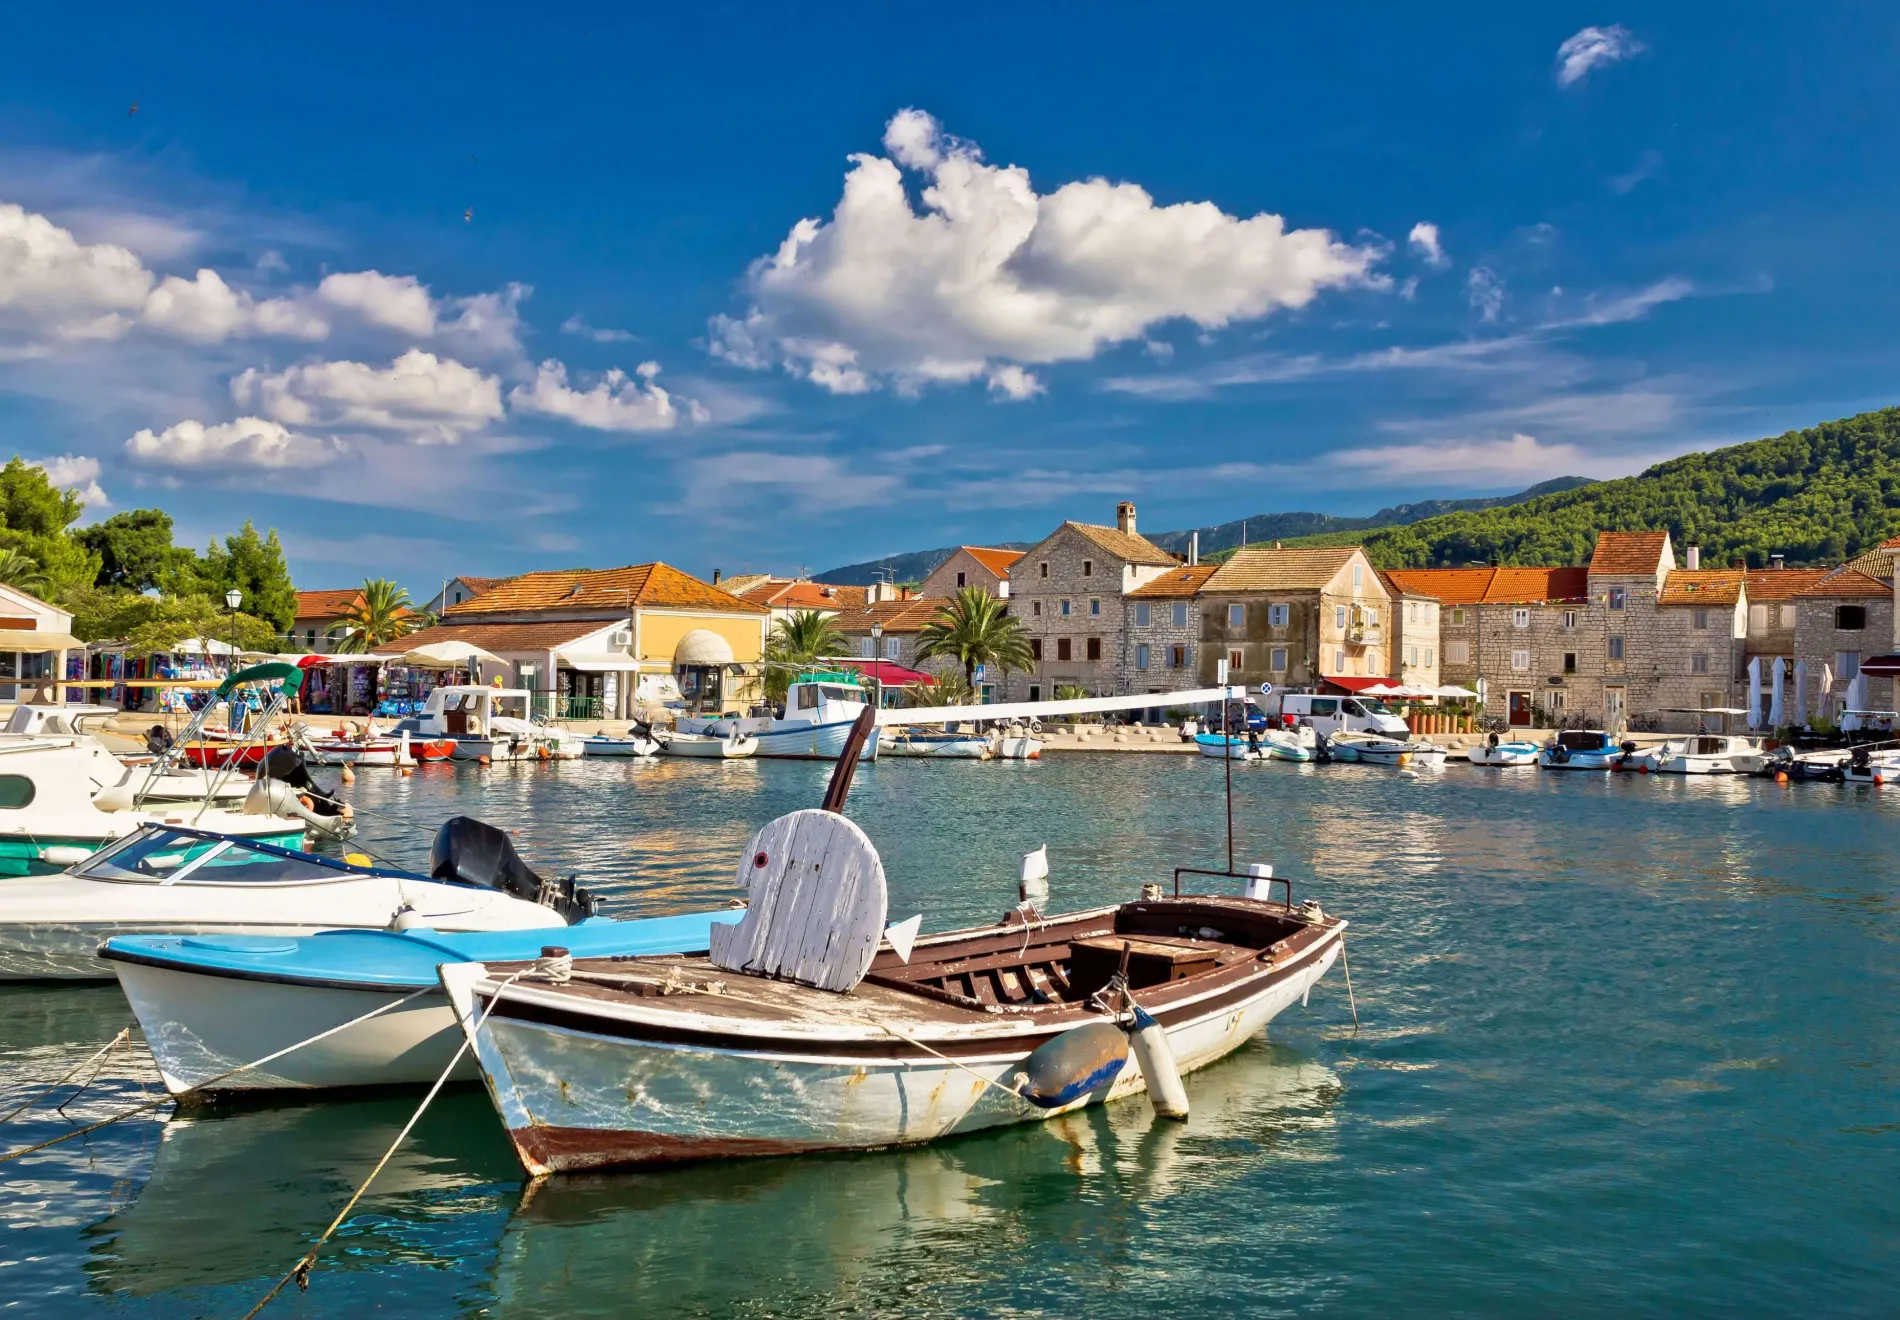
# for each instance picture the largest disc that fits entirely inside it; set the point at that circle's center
(656, 585)
(1701, 586)
(499, 637)
(1875, 563)
(1628, 552)
(997, 561)
(1175, 583)
(1454, 586)
(1491, 586)
(1124, 545)
(1781, 583)
(803, 594)
(1847, 581)
(897, 616)
(327, 604)
(1891, 543)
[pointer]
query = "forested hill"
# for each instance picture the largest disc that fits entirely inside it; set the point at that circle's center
(1817, 496)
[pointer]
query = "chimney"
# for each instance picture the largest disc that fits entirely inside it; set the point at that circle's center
(1692, 558)
(1278, 546)
(1125, 517)
(715, 577)
(1194, 548)
(1777, 561)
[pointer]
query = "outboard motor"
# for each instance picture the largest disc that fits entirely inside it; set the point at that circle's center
(284, 765)
(472, 852)
(1322, 749)
(158, 740)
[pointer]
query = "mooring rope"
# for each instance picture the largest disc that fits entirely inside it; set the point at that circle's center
(211, 1081)
(100, 1053)
(988, 1081)
(300, 1272)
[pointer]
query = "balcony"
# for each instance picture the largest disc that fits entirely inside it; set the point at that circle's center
(1364, 634)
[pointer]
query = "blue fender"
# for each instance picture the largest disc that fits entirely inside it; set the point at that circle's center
(1063, 1070)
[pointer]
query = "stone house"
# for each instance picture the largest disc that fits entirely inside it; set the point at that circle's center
(1696, 644)
(1626, 574)
(1846, 617)
(1164, 629)
(971, 566)
(1070, 592)
(1773, 609)
(1294, 617)
(1415, 634)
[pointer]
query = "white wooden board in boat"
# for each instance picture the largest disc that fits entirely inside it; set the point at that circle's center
(815, 906)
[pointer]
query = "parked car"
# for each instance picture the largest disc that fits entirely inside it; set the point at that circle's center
(1330, 715)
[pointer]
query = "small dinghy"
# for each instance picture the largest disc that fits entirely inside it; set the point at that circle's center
(674, 743)
(1495, 751)
(1581, 749)
(1017, 742)
(600, 744)
(1376, 749)
(1229, 747)
(935, 745)
(1297, 744)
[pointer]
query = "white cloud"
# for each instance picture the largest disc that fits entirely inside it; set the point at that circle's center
(1015, 384)
(75, 472)
(1424, 241)
(1647, 166)
(252, 442)
(617, 402)
(399, 302)
(52, 284)
(486, 323)
(991, 272)
(1485, 461)
(1485, 291)
(1628, 306)
(1592, 48)
(577, 325)
(430, 399)
(206, 310)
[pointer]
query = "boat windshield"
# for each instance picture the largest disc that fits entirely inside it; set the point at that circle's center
(1582, 741)
(155, 855)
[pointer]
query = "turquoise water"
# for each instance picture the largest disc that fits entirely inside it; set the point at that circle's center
(1628, 1046)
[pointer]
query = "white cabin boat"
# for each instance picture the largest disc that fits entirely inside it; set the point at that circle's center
(495, 723)
(1376, 749)
(819, 712)
(706, 746)
(177, 783)
(1699, 754)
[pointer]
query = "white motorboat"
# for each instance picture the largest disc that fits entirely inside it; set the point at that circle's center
(1698, 754)
(173, 783)
(935, 744)
(1872, 765)
(819, 712)
(1581, 749)
(1378, 749)
(1229, 747)
(1300, 743)
(493, 722)
(365, 750)
(1495, 751)
(634, 744)
(1016, 742)
(171, 879)
(705, 745)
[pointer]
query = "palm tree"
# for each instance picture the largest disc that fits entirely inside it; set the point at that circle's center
(799, 640)
(974, 628)
(381, 614)
(19, 569)
(950, 689)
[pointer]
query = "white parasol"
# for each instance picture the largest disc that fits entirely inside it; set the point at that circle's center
(1776, 715)
(1754, 693)
(1856, 700)
(447, 655)
(1826, 694)
(1801, 693)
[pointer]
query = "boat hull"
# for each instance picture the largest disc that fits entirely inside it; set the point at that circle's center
(575, 1099)
(1598, 761)
(938, 749)
(1503, 755)
(809, 742)
(1017, 747)
(619, 747)
(1402, 757)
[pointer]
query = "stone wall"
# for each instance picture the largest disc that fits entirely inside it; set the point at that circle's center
(1173, 647)
(1552, 654)
(1819, 641)
(1067, 566)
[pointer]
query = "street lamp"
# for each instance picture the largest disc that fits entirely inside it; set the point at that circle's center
(877, 662)
(232, 599)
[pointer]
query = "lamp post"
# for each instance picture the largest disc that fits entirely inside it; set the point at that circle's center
(877, 659)
(232, 599)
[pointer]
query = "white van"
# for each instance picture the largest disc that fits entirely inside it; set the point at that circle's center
(1330, 715)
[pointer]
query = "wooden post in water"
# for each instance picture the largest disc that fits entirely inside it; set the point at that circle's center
(840, 785)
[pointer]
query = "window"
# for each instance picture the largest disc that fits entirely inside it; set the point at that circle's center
(1556, 703)
(1177, 657)
(1846, 665)
(1141, 656)
(1276, 660)
(1428, 657)
(1520, 660)
(1616, 648)
(1372, 616)
(1095, 648)
(1141, 616)
(1616, 598)
(1065, 609)
(1042, 569)
(1458, 616)
(1458, 653)
(1757, 618)
(960, 581)
(1699, 619)
(1699, 663)
(1570, 618)
(1520, 618)
(1850, 618)
(1035, 608)
(1339, 617)
(1358, 575)
(310, 637)
(1788, 615)
(1324, 706)
(865, 647)
(1095, 608)
(1236, 660)
(1088, 568)
(16, 791)
(1035, 692)
(1180, 614)
(1570, 662)
(1277, 615)
(890, 648)
(1411, 655)
(1236, 616)
(1062, 649)
(1339, 662)
(1035, 651)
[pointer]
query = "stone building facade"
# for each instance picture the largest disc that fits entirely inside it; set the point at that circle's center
(1695, 645)
(971, 566)
(1164, 630)
(1845, 618)
(1773, 609)
(1415, 635)
(1294, 617)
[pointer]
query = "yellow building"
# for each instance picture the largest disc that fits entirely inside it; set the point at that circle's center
(600, 643)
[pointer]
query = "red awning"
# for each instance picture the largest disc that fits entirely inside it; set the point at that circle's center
(1353, 683)
(1881, 666)
(889, 672)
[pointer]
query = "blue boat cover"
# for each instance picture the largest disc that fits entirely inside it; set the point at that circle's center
(407, 960)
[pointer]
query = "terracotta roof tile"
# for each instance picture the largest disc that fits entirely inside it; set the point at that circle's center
(327, 604)
(1628, 552)
(1781, 583)
(1265, 568)
(997, 561)
(1123, 545)
(802, 594)
(499, 637)
(1176, 583)
(1875, 563)
(648, 585)
(897, 616)
(1454, 586)
(1850, 582)
(1701, 586)
(1492, 586)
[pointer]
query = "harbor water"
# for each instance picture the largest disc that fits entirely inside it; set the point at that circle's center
(1627, 1046)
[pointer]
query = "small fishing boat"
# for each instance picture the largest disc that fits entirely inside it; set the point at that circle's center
(803, 1031)
(936, 745)
(1017, 742)
(220, 749)
(1872, 765)
(600, 744)
(1495, 751)
(1697, 754)
(675, 743)
(1378, 749)
(1229, 747)
(493, 722)
(1298, 744)
(820, 709)
(364, 749)
(1582, 749)
(1824, 765)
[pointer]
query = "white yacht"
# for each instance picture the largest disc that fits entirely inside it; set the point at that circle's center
(1699, 754)
(819, 712)
(174, 783)
(494, 722)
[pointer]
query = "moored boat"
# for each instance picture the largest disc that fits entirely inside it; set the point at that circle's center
(1229, 747)
(705, 745)
(1495, 751)
(600, 744)
(819, 711)
(936, 745)
(1698, 754)
(1581, 749)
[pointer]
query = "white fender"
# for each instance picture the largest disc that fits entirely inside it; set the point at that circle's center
(1158, 1068)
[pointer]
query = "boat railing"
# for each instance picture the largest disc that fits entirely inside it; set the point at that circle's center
(1180, 871)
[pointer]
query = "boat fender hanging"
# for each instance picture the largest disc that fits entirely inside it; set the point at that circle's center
(1078, 1062)
(1158, 1069)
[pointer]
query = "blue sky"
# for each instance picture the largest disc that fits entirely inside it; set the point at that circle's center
(737, 289)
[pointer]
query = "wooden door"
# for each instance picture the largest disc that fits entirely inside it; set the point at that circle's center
(1520, 710)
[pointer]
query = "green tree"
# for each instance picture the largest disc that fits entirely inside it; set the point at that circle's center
(950, 689)
(135, 550)
(22, 570)
(974, 628)
(255, 566)
(381, 615)
(159, 623)
(798, 640)
(31, 503)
